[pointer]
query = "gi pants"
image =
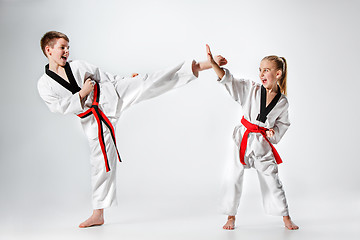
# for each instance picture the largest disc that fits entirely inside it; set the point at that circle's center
(129, 92)
(103, 183)
(273, 195)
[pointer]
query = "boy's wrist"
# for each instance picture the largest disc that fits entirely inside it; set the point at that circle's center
(81, 94)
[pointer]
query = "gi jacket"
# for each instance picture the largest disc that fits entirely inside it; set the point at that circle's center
(117, 93)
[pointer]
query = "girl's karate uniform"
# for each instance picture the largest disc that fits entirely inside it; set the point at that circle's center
(258, 153)
(116, 94)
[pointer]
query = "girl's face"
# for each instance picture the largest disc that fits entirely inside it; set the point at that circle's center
(269, 75)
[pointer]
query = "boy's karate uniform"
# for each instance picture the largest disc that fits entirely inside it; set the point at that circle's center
(116, 94)
(258, 153)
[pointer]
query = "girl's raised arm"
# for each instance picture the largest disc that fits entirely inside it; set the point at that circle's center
(218, 70)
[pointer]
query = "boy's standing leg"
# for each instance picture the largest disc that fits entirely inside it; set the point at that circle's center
(96, 219)
(103, 183)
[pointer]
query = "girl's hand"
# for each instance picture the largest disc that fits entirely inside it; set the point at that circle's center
(219, 60)
(270, 133)
(215, 64)
(87, 88)
(209, 55)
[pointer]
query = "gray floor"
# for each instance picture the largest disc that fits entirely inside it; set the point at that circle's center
(171, 217)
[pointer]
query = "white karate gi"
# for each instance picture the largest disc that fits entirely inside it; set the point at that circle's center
(116, 94)
(258, 153)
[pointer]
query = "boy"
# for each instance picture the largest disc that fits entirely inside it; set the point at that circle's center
(99, 98)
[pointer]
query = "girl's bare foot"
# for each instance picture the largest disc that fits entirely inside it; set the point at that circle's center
(96, 219)
(230, 224)
(290, 224)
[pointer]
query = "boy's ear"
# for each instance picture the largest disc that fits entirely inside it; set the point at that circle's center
(48, 50)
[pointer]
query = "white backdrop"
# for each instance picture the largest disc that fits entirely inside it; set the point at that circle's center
(174, 147)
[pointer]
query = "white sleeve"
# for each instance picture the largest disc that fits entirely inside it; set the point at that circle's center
(58, 104)
(140, 88)
(282, 123)
(237, 88)
(95, 73)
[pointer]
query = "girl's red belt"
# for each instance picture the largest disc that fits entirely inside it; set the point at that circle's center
(100, 117)
(256, 129)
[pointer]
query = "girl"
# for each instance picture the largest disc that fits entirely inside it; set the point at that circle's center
(264, 123)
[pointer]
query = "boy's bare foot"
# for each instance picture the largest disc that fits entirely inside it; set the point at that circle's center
(290, 224)
(230, 224)
(96, 219)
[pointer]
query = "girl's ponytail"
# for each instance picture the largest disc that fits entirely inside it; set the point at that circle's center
(282, 80)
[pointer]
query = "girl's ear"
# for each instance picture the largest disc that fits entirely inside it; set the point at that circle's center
(278, 74)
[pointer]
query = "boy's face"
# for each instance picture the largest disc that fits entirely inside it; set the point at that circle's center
(59, 53)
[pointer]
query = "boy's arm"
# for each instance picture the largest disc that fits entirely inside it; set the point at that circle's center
(86, 89)
(63, 105)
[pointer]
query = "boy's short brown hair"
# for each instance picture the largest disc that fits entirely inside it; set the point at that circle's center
(49, 39)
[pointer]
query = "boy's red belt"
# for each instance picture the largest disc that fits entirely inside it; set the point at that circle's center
(100, 117)
(256, 129)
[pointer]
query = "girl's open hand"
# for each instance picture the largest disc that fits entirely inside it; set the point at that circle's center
(209, 55)
(216, 63)
(219, 60)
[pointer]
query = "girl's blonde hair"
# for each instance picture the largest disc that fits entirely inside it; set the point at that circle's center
(280, 63)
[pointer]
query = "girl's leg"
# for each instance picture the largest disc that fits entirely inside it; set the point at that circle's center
(273, 194)
(289, 224)
(232, 188)
(230, 223)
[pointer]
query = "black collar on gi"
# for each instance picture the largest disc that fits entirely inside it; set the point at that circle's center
(264, 111)
(72, 86)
